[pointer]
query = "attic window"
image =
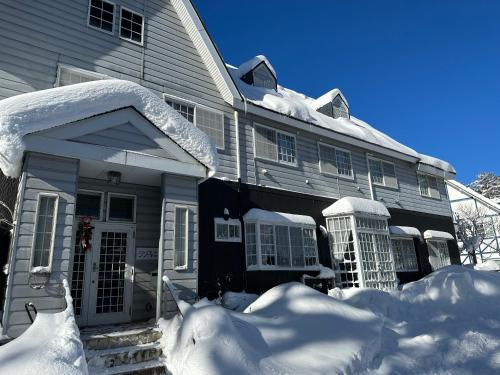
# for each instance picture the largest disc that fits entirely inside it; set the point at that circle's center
(340, 108)
(261, 76)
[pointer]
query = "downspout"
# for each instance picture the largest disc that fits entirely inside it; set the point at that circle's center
(159, 281)
(370, 184)
(238, 161)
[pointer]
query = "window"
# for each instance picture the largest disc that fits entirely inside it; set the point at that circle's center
(405, 256)
(263, 77)
(121, 207)
(181, 238)
(344, 259)
(211, 122)
(89, 203)
(439, 255)
(227, 230)
(275, 145)
(428, 186)
(283, 246)
(44, 232)
(383, 173)
(131, 26)
(101, 15)
(340, 108)
(335, 161)
(67, 75)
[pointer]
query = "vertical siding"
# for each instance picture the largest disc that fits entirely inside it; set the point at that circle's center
(37, 35)
(43, 174)
(180, 192)
(148, 218)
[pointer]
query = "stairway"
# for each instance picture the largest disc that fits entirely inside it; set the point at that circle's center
(127, 349)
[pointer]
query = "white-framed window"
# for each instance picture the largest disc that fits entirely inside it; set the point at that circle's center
(335, 161)
(44, 232)
(101, 15)
(90, 203)
(131, 26)
(181, 238)
(383, 173)
(275, 145)
(208, 120)
(227, 230)
(121, 207)
(428, 186)
(405, 256)
(439, 255)
(69, 75)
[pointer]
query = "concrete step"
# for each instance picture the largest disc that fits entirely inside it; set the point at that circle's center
(127, 355)
(118, 338)
(154, 367)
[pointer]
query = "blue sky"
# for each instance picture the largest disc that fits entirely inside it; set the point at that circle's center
(425, 72)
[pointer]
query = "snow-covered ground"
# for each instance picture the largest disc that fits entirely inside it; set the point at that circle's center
(446, 323)
(50, 346)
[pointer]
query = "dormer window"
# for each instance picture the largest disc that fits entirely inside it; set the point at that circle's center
(332, 104)
(340, 108)
(261, 75)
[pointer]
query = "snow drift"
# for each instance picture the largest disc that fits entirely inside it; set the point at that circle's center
(51, 345)
(446, 323)
(28, 113)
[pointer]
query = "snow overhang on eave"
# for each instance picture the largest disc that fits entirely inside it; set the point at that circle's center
(254, 109)
(434, 171)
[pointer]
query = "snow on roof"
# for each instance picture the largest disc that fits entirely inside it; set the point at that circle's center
(256, 214)
(405, 231)
(438, 163)
(28, 113)
(252, 63)
(327, 98)
(438, 235)
(354, 205)
(491, 204)
(302, 107)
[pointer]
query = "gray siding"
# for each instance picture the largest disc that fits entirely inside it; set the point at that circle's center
(294, 178)
(148, 216)
(180, 192)
(42, 174)
(36, 36)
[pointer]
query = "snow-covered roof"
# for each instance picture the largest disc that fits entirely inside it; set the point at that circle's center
(435, 166)
(354, 205)
(404, 231)
(257, 214)
(327, 98)
(437, 235)
(40, 110)
(491, 204)
(249, 65)
(301, 107)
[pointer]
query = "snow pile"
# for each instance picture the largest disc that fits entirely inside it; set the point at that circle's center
(438, 235)
(324, 273)
(257, 214)
(354, 205)
(51, 345)
(291, 329)
(237, 301)
(28, 113)
(404, 231)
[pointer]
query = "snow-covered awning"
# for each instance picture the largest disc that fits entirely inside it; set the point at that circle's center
(257, 214)
(354, 205)
(400, 231)
(437, 235)
(40, 110)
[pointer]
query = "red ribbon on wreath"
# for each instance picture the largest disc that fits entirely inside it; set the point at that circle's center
(86, 233)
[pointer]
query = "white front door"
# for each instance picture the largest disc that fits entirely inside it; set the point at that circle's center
(102, 283)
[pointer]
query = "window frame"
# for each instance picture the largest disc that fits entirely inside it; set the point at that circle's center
(409, 239)
(276, 131)
(438, 241)
(112, 32)
(182, 101)
(186, 234)
(382, 161)
(261, 267)
(76, 70)
(335, 148)
(54, 227)
(141, 43)
(228, 222)
(427, 177)
(109, 195)
(101, 202)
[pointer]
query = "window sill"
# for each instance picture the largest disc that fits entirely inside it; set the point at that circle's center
(133, 41)
(274, 268)
(101, 30)
(428, 197)
(342, 177)
(238, 240)
(182, 268)
(385, 186)
(277, 162)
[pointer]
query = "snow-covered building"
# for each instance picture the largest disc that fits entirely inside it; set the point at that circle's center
(110, 164)
(487, 211)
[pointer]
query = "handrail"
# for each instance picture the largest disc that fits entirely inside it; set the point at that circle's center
(182, 306)
(27, 306)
